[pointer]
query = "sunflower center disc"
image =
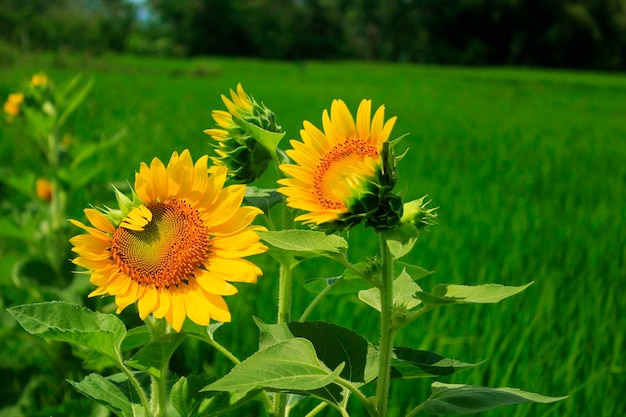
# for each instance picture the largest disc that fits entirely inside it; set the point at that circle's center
(341, 171)
(169, 248)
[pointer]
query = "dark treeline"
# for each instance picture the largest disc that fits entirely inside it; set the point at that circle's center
(556, 33)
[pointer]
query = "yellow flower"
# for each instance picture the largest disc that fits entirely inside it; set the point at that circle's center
(178, 252)
(39, 80)
(12, 105)
(339, 178)
(43, 188)
(245, 158)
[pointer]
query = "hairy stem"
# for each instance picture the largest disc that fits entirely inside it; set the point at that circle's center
(387, 330)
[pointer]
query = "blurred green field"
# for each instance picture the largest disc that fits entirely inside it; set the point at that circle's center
(528, 169)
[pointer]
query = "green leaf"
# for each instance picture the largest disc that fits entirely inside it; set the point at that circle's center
(186, 397)
(65, 322)
(73, 99)
(404, 290)
(401, 239)
(152, 357)
(410, 363)
(24, 182)
(416, 272)
(460, 294)
(88, 150)
(449, 399)
(291, 365)
(333, 345)
(269, 140)
(304, 242)
(105, 392)
(136, 337)
(263, 198)
(272, 334)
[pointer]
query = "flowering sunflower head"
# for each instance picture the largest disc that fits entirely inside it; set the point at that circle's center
(236, 144)
(344, 175)
(177, 248)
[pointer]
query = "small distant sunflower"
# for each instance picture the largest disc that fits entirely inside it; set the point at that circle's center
(39, 80)
(12, 105)
(178, 250)
(235, 147)
(343, 175)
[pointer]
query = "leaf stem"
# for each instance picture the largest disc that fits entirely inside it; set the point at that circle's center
(416, 410)
(222, 350)
(369, 406)
(142, 394)
(387, 329)
(317, 409)
(317, 299)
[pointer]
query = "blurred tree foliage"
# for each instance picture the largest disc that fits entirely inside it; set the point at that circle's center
(95, 25)
(562, 33)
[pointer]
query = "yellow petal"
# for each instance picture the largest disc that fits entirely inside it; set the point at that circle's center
(147, 302)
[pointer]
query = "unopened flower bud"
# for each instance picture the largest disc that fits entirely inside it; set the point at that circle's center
(416, 213)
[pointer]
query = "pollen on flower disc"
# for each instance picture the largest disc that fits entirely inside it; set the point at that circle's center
(172, 245)
(340, 171)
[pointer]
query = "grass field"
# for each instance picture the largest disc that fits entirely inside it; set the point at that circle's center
(528, 168)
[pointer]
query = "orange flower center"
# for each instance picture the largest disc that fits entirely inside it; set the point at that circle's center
(341, 171)
(168, 250)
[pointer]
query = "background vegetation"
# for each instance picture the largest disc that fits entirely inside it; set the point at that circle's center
(555, 33)
(527, 167)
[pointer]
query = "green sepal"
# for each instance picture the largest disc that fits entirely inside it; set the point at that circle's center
(125, 204)
(268, 139)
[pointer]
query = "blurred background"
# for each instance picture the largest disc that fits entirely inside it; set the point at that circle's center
(516, 114)
(587, 34)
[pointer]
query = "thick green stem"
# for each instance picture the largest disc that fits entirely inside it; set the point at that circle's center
(159, 394)
(285, 277)
(387, 330)
(284, 316)
(284, 292)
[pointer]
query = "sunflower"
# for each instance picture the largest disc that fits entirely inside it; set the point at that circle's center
(235, 147)
(12, 105)
(39, 80)
(344, 174)
(178, 250)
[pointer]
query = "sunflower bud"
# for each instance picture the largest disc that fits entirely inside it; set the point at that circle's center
(416, 213)
(236, 147)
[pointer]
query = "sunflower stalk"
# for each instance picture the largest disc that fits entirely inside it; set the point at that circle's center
(387, 330)
(159, 393)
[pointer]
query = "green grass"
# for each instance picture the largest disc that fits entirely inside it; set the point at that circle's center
(526, 166)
